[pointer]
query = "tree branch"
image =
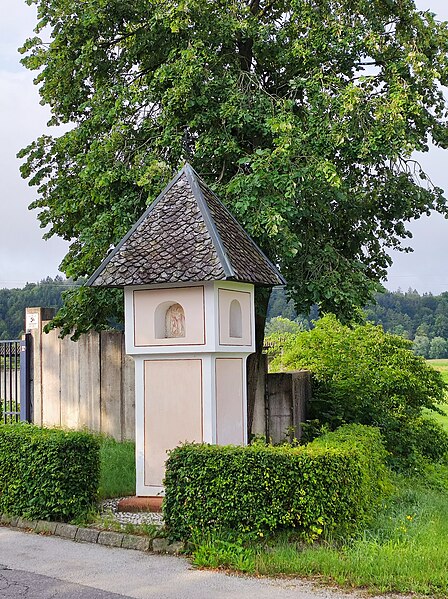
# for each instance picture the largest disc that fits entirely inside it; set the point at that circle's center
(254, 6)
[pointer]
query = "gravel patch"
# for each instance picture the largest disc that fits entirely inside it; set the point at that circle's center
(109, 506)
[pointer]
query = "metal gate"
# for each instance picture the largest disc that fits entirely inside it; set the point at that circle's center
(15, 396)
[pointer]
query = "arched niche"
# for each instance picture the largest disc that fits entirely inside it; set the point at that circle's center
(169, 321)
(235, 320)
(150, 313)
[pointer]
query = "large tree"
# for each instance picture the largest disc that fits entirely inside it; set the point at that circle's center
(303, 116)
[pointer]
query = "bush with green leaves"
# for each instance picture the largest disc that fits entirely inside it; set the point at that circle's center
(330, 487)
(362, 374)
(47, 474)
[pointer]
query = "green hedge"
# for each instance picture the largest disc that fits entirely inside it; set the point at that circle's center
(47, 474)
(331, 486)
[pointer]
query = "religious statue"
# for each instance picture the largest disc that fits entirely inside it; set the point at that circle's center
(175, 322)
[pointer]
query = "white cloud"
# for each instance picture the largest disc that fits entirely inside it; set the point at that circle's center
(16, 25)
(24, 256)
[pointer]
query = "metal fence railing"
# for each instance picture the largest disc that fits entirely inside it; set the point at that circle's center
(14, 381)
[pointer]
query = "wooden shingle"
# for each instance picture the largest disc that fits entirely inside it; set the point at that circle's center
(186, 235)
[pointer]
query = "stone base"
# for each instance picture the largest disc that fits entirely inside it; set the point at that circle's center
(140, 504)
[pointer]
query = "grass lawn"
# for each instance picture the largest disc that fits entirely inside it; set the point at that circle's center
(117, 477)
(441, 366)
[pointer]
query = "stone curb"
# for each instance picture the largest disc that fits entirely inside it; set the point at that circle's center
(93, 535)
(45, 527)
(87, 535)
(26, 524)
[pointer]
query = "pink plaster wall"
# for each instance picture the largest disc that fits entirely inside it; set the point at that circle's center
(145, 305)
(229, 401)
(173, 411)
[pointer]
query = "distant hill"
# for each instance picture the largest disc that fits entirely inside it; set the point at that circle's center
(421, 318)
(411, 314)
(46, 293)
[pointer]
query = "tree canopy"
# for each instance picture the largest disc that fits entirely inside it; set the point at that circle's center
(302, 115)
(421, 318)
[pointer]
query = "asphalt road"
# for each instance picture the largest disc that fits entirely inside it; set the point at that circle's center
(27, 585)
(42, 567)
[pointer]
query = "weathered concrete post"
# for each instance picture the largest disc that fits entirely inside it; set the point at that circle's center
(34, 323)
(188, 270)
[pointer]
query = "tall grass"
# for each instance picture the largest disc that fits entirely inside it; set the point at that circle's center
(117, 477)
(406, 551)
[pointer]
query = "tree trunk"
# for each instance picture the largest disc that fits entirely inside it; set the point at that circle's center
(254, 362)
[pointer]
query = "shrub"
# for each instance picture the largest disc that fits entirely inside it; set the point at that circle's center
(362, 374)
(47, 474)
(332, 486)
(416, 439)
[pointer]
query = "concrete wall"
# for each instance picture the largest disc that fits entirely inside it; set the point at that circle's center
(88, 384)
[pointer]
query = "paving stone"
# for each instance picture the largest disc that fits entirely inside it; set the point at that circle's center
(136, 542)
(67, 531)
(87, 535)
(48, 527)
(113, 539)
(26, 524)
(160, 545)
(6, 520)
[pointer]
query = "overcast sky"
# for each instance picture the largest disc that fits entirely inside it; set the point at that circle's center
(25, 257)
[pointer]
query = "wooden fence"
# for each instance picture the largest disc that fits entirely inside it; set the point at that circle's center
(281, 404)
(89, 384)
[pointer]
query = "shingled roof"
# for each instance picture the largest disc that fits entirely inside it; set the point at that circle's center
(186, 235)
